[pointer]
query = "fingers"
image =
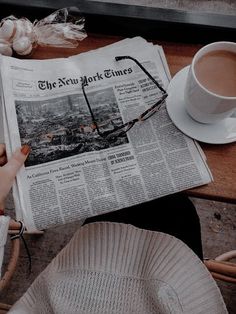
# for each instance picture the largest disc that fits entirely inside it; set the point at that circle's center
(2, 150)
(16, 161)
(3, 158)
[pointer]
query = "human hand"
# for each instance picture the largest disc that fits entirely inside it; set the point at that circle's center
(3, 157)
(8, 170)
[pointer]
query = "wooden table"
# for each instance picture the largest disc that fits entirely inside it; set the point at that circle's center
(220, 158)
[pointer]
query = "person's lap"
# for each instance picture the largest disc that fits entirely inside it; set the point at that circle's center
(174, 214)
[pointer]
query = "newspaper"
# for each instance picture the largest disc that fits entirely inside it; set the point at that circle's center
(72, 172)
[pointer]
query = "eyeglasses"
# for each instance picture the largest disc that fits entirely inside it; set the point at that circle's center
(125, 127)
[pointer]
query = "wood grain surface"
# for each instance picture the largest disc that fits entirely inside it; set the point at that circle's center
(220, 158)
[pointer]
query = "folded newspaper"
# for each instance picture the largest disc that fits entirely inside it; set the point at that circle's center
(72, 171)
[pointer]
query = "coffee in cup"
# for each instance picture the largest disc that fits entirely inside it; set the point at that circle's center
(210, 92)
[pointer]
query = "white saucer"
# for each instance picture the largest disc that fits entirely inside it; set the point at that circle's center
(219, 133)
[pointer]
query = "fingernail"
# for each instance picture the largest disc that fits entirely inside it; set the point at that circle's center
(25, 149)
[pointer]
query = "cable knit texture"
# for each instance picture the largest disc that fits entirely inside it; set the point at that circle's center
(117, 268)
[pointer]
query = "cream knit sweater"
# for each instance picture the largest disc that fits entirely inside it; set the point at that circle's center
(117, 268)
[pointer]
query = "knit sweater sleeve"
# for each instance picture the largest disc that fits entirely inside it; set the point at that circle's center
(116, 268)
(37, 298)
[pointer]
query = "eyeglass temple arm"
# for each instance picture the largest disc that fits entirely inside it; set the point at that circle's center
(90, 110)
(118, 58)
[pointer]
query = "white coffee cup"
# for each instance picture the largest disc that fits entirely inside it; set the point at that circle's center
(202, 104)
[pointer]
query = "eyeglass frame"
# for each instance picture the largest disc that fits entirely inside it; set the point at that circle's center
(131, 123)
